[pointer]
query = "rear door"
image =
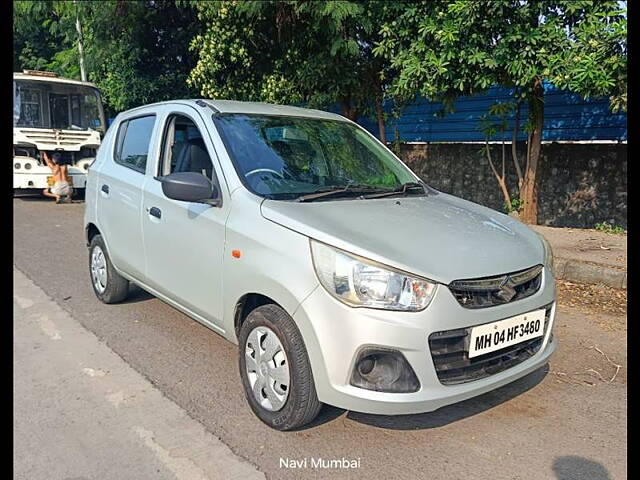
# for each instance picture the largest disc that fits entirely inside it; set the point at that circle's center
(119, 191)
(184, 241)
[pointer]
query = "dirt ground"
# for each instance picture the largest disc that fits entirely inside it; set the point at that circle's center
(594, 300)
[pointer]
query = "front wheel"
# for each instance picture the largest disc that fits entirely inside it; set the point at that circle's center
(275, 370)
(108, 285)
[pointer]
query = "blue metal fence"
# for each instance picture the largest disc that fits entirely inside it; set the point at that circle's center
(567, 117)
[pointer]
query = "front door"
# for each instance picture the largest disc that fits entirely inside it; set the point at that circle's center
(184, 241)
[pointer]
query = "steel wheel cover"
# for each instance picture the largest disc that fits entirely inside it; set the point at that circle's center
(267, 368)
(98, 269)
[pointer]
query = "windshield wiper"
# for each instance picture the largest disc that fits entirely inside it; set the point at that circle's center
(401, 190)
(329, 191)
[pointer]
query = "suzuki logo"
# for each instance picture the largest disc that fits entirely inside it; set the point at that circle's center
(506, 292)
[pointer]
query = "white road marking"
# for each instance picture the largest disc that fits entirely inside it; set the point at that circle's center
(116, 398)
(93, 373)
(49, 328)
(183, 468)
(22, 301)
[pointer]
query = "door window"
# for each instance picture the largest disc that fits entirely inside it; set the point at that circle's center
(132, 143)
(184, 149)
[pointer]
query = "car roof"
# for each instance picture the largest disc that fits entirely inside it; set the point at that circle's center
(250, 108)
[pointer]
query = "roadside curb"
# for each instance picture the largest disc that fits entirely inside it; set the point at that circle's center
(593, 273)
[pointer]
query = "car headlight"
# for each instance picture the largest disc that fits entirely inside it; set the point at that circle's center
(16, 166)
(359, 282)
(548, 255)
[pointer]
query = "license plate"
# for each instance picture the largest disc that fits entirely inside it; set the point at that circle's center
(504, 333)
(51, 181)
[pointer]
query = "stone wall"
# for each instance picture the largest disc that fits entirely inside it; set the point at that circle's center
(580, 184)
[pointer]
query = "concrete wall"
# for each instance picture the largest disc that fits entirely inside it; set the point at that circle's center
(580, 184)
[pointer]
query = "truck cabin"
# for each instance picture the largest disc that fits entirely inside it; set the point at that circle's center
(43, 102)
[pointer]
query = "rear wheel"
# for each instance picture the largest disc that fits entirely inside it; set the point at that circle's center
(275, 370)
(108, 285)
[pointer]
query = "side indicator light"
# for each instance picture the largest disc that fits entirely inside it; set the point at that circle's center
(235, 253)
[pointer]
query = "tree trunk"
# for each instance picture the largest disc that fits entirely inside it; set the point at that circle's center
(83, 73)
(379, 97)
(530, 185)
(381, 127)
(514, 145)
(348, 110)
(395, 145)
(500, 178)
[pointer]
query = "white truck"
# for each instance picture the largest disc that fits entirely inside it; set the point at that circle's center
(53, 114)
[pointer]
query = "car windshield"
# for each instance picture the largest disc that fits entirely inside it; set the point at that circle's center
(284, 157)
(39, 104)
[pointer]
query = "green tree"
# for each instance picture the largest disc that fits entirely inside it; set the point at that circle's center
(444, 49)
(44, 36)
(320, 53)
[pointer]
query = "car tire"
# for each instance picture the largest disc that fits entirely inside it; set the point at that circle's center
(108, 285)
(301, 404)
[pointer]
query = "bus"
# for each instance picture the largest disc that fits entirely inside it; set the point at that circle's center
(53, 114)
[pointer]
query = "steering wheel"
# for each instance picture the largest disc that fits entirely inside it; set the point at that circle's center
(259, 170)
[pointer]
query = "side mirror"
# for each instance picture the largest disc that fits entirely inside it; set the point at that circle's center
(189, 187)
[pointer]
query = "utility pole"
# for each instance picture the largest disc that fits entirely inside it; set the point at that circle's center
(83, 73)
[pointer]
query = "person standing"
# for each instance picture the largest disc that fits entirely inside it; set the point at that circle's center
(61, 188)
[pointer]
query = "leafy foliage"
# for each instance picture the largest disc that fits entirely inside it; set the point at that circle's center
(320, 53)
(514, 206)
(443, 49)
(606, 227)
(42, 37)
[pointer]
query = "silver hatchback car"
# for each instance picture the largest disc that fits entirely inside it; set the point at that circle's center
(296, 234)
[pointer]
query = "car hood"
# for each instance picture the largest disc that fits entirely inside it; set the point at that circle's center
(438, 236)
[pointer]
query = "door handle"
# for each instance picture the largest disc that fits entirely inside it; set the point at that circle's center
(105, 189)
(155, 212)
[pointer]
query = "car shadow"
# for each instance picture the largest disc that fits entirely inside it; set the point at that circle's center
(39, 198)
(34, 197)
(326, 415)
(442, 416)
(457, 411)
(573, 467)
(136, 295)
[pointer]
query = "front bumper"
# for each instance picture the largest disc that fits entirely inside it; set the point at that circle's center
(39, 180)
(334, 333)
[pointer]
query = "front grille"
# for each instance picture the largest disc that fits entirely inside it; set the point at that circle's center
(57, 137)
(498, 290)
(450, 355)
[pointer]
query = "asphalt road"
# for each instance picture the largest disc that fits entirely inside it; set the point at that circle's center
(564, 421)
